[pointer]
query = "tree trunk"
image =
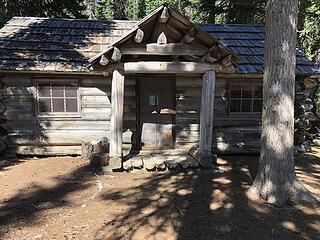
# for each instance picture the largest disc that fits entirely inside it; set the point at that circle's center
(276, 181)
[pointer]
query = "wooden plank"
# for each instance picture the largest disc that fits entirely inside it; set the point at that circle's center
(96, 91)
(159, 161)
(96, 113)
(163, 48)
(189, 37)
(148, 162)
(137, 162)
(176, 49)
(192, 162)
(117, 98)
(171, 162)
(95, 102)
(182, 160)
(127, 164)
(53, 137)
(47, 150)
(206, 118)
(168, 67)
(47, 124)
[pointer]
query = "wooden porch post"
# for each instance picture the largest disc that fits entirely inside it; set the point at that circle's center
(206, 118)
(117, 98)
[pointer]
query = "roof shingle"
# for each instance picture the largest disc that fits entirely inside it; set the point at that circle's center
(42, 44)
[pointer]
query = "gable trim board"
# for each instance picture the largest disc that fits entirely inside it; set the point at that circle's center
(62, 48)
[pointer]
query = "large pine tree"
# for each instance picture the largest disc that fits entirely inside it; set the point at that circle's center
(276, 181)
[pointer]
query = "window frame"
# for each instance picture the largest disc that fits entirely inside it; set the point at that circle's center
(252, 99)
(57, 114)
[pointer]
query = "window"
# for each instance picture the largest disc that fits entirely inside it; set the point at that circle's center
(245, 98)
(61, 98)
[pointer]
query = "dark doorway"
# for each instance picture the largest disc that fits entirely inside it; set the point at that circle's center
(156, 111)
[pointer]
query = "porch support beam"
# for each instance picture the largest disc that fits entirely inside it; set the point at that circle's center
(169, 67)
(164, 49)
(117, 98)
(206, 118)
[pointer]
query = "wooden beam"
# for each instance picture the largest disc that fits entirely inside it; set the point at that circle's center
(213, 54)
(206, 118)
(168, 49)
(227, 61)
(117, 98)
(138, 38)
(116, 55)
(169, 67)
(164, 15)
(189, 37)
(176, 49)
(162, 39)
(103, 61)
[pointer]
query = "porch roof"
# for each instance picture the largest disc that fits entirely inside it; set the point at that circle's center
(66, 45)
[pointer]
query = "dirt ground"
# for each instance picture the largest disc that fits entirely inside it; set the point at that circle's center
(61, 198)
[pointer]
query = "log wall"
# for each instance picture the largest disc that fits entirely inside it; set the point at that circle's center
(32, 134)
(232, 133)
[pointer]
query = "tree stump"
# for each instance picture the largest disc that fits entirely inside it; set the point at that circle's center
(96, 151)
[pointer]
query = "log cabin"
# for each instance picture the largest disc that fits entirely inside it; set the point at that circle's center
(158, 86)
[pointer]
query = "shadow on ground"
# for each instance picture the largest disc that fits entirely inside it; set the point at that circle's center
(193, 204)
(203, 204)
(24, 208)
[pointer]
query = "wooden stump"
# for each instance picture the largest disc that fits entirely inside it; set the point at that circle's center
(96, 151)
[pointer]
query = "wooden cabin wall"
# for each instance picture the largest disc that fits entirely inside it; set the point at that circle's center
(232, 134)
(31, 134)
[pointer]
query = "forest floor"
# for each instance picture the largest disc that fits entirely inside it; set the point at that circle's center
(61, 198)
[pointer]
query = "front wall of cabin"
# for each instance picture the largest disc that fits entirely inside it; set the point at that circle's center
(30, 134)
(231, 134)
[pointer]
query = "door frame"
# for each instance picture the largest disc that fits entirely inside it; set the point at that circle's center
(138, 78)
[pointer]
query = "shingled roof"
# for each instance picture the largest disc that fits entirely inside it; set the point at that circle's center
(66, 45)
(247, 41)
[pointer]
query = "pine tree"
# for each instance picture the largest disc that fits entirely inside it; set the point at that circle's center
(276, 181)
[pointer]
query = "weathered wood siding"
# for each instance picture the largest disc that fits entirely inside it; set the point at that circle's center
(232, 133)
(31, 134)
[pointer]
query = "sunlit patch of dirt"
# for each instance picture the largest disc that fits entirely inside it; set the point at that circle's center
(61, 198)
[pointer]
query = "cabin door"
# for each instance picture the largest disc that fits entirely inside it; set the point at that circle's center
(156, 111)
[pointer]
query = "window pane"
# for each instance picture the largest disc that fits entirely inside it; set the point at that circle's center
(246, 105)
(235, 91)
(257, 91)
(71, 89)
(235, 105)
(257, 105)
(58, 104)
(44, 90)
(246, 91)
(44, 105)
(71, 105)
(57, 90)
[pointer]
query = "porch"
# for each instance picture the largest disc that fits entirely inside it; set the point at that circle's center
(163, 43)
(160, 160)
